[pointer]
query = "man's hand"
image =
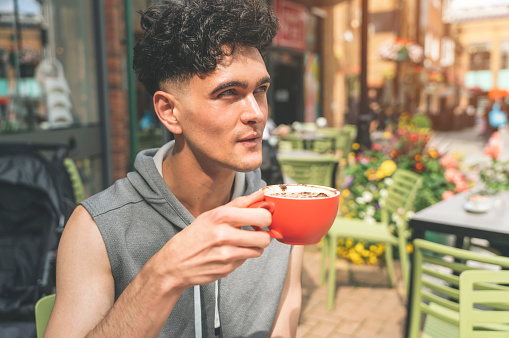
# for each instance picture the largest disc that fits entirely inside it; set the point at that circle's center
(214, 245)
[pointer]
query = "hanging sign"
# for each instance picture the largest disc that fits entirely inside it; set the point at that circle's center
(292, 25)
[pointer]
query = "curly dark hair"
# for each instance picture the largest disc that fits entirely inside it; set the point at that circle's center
(188, 37)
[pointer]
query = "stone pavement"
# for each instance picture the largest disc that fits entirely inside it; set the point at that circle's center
(365, 306)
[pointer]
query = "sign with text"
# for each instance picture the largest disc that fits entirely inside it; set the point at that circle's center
(292, 20)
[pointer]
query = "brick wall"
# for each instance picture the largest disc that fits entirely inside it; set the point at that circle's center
(117, 81)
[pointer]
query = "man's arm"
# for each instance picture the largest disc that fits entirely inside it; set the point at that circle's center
(288, 312)
(85, 289)
(208, 249)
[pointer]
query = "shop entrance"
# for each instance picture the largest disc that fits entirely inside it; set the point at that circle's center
(286, 88)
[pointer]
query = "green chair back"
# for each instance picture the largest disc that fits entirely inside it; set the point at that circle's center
(400, 198)
(292, 141)
(43, 309)
(74, 176)
(484, 304)
(437, 270)
(344, 138)
(317, 171)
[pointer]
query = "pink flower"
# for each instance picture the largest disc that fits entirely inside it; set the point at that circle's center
(451, 174)
(461, 186)
(447, 194)
(494, 146)
(365, 160)
(449, 161)
(376, 146)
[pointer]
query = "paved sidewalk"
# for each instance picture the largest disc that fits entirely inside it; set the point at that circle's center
(365, 307)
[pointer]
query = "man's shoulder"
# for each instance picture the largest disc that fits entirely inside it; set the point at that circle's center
(118, 195)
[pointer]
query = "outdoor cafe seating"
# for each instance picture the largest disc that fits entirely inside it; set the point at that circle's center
(400, 197)
(460, 293)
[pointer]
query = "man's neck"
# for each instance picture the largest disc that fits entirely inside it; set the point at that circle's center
(196, 190)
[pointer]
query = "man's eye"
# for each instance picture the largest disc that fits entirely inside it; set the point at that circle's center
(228, 92)
(262, 89)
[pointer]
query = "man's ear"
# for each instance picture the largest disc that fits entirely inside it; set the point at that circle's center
(164, 105)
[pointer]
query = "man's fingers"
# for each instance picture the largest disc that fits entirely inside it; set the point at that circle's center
(246, 201)
(238, 217)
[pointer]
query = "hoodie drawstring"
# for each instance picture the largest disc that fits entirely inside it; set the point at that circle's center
(217, 321)
(197, 311)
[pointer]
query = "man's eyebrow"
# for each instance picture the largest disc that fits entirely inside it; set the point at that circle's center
(240, 84)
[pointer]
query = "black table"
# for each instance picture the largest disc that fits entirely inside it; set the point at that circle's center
(450, 217)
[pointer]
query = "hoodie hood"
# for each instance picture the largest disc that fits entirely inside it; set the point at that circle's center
(150, 184)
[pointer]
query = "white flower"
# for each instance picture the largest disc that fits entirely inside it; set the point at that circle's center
(370, 210)
(370, 220)
(360, 200)
(367, 196)
(383, 193)
(410, 214)
(388, 181)
(362, 214)
(382, 203)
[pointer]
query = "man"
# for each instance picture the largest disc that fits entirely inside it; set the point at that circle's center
(166, 250)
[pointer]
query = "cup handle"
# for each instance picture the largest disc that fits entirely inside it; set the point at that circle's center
(270, 207)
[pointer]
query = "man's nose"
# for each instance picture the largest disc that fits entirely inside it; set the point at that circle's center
(252, 114)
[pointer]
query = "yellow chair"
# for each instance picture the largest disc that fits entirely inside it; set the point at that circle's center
(43, 309)
(400, 199)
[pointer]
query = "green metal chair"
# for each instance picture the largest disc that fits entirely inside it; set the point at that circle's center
(400, 198)
(317, 170)
(292, 141)
(439, 292)
(484, 304)
(43, 309)
(74, 176)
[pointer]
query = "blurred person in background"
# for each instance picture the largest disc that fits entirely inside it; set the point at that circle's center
(168, 250)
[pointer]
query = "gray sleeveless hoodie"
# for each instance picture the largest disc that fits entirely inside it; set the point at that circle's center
(138, 214)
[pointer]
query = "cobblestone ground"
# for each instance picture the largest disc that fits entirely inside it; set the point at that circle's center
(365, 306)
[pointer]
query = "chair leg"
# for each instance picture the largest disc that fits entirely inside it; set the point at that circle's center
(389, 263)
(324, 253)
(331, 292)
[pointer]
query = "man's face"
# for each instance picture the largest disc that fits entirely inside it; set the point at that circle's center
(223, 114)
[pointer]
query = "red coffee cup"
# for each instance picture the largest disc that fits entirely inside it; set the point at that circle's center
(301, 213)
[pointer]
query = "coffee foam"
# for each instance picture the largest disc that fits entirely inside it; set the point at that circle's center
(295, 189)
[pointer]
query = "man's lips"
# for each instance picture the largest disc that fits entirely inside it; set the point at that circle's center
(252, 137)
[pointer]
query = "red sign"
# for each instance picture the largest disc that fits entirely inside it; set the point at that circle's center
(292, 21)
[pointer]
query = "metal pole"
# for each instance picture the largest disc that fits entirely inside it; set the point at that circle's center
(103, 90)
(131, 81)
(364, 118)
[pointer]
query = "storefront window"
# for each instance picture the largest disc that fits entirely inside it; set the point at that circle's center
(48, 76)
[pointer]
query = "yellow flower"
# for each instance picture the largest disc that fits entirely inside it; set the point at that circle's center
(372, 260)
(409, 248)
(349, 243)
(344, 209)
(359, 247)
(433, 153)
(356, 146)
(345, 193)
(386, 168)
